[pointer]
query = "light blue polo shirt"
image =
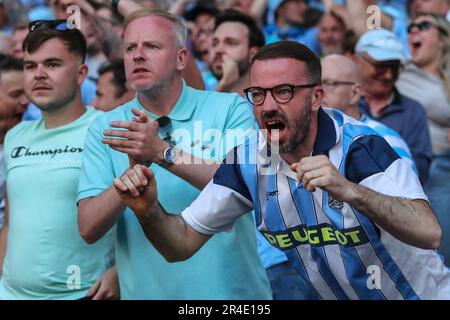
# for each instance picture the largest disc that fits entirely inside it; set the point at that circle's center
(228, 265)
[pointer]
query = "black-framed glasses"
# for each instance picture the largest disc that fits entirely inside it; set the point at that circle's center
(60, 25)
(335, 83)
(282, 93)
(382, 67)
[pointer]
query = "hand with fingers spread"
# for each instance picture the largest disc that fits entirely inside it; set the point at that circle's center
(318, 172)
(137, 189)
(140, 140)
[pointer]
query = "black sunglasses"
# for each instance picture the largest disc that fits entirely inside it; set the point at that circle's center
(422, 26)
(60, 25)
(165, 129)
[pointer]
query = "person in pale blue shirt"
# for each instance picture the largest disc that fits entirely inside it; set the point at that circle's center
(342, 90)
(45, 256)
(180, 126)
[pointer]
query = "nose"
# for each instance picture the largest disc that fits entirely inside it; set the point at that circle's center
(138, 55)
(388, 74)
(40, 72)
(269, 104)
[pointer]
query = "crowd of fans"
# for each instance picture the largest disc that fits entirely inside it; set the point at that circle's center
(388, 68)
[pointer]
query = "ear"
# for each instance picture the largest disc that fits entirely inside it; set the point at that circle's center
(182, 59)
(355, 94)
(253, 51)
(83, 71)
(316, 98)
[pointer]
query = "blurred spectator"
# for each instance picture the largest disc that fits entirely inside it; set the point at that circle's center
(19, 34)
(202, 18)
(438, 7)
(286, 19)
(112, 89)
(13, 103)
(236, 39)
(332, 30)
(426, 78)
(341, 84)
(379, 54)
(95, 57)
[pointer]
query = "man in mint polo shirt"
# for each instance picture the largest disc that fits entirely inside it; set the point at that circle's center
(45, 256)
(195, 126)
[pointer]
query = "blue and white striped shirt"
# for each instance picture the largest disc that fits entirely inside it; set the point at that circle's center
(393, 138)
(341, 252)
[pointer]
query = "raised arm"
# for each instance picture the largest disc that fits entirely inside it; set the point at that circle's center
(409, 220)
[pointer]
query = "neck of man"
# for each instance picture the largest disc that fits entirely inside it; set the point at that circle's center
(352, 111)
(304, 149)
(65, 114)
(162, 100)
(376, 102)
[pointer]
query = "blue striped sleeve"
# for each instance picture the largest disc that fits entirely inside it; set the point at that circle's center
(229, 175)
(367, 156)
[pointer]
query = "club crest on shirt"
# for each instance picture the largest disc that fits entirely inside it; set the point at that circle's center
(335, 204)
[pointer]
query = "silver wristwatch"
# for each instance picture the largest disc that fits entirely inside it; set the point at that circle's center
(169, 156)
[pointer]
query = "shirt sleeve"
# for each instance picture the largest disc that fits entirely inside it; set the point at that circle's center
(372, 163)
(97, 171)
(225, 199)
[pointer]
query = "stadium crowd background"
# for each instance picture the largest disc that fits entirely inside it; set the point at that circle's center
(404, 84)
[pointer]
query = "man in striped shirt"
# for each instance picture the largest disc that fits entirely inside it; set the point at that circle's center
(342, 89)
(349, 213)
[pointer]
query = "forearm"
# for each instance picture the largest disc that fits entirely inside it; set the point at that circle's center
(410, 221)
(178, 7)
(359, 16)
(126, 7)
(96, 216)
(193, 169)
(110, 42)
(171, 236)
(257, 9)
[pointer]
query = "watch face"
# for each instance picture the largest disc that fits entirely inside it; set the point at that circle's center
(170, 155)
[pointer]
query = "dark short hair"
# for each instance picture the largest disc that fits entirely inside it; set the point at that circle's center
(118, 71)
(199, 9)
(73, 39)
(294, 50)
(255, 34)
(9, 63)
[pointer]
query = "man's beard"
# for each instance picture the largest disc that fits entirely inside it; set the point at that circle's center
(299, 129)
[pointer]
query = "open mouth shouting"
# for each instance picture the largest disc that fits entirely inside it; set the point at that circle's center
(276, 128)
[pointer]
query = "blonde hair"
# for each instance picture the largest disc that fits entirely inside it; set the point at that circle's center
(443, 27)
(179, 25)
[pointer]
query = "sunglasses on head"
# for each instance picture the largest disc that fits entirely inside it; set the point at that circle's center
(60, 25)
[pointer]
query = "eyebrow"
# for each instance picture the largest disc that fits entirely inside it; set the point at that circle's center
(52, 59)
